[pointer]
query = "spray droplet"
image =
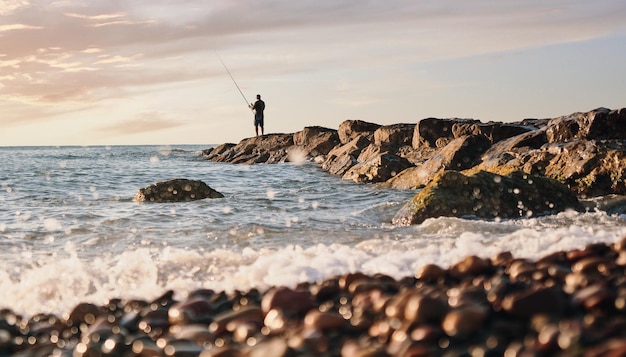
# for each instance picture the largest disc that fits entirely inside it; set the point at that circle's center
(51, 224)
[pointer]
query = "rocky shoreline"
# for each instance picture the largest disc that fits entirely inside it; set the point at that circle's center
(569, 303)
(551, 164)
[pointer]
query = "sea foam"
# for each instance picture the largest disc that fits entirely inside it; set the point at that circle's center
(57, 283)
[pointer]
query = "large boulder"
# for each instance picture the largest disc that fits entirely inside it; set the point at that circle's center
(598, 124)
(379, 168)
(589, 168)
(217, 151)
(416, 156)
(176, 190)
(493, 131)
(487, 195)
(269, 148)
(371, 151)
(571, 149)
(313, 141)
(351, 129)
(460, 154)
(433, 132)
(394, 136)
(342, 158)
(410, 179)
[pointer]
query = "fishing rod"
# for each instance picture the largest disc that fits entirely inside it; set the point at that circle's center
(231, 77)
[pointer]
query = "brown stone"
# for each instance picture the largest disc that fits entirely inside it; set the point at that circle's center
(211, 153)
(350, 129)
(189, 311)
(534, 300)
(342, 158)
(431, 273)
(290, 302)
(459, 154)
(84, 313)
(269, 148)
(228, 320)
(377, 169)
(470, 265)
(323, 321)
(521, 269)
(315, 140)
(572, 149)
(598, 124)
(274, 347)
(425, 309)
(395, 135)
(410, 179)
(593, 264)
(464, 321)
(595, 297)
(502, 259)
(428, 131)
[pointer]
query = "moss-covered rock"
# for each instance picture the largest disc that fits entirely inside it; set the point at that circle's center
(487, 195)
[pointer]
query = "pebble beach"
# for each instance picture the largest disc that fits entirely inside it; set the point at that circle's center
(566, 303)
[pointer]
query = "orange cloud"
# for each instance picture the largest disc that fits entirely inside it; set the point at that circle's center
(13, 27)
(95, 17)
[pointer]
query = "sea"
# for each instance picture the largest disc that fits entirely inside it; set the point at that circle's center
(70, 231)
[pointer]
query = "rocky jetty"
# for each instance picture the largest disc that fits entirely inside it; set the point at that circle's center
(583, 152)
(568, 303)
(176, 190)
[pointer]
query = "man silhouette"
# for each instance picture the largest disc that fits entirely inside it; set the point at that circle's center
(258, 107)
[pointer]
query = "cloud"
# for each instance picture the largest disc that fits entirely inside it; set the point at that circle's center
(142, 123)
(13, 27)
(9, 6)
(95, 17)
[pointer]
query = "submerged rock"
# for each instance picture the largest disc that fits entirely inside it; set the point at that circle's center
(176, 190)
(487, 195)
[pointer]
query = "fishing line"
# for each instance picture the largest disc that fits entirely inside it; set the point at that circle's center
(231, 77)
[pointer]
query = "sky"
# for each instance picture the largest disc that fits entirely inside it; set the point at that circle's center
(117, 72)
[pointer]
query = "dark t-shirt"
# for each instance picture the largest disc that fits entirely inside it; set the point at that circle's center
(259, 107)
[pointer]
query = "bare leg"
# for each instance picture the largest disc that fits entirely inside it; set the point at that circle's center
(256, 129)
(262, 131)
